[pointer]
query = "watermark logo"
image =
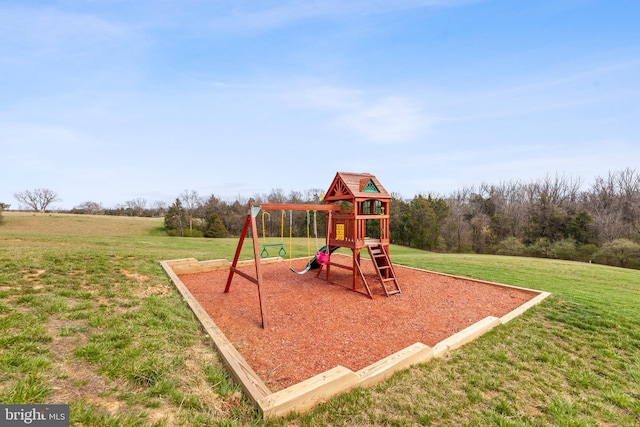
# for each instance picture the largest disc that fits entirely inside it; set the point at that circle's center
(34, 415)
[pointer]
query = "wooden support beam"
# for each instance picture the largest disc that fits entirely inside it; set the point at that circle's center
(232, 270)
(245, 275)
(295, 207)
(250, 221)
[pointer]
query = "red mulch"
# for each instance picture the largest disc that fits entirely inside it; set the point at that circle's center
(314, 325)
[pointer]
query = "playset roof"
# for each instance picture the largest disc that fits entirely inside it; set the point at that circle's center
(349, 186)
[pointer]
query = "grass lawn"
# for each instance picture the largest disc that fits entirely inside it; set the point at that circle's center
(88, 317)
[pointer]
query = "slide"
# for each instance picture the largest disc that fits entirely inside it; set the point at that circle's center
(313, 264)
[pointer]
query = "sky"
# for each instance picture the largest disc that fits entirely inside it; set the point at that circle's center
(111, 100)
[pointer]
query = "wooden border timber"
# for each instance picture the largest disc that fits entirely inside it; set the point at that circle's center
(307, 394)
(239, 369)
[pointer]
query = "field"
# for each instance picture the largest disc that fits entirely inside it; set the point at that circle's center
(88, 317)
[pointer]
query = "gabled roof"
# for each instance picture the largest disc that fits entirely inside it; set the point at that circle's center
(348, 186)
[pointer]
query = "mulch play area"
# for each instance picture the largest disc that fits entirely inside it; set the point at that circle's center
(314, 325)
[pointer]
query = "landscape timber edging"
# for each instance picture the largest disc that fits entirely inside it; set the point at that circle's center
(307, 394)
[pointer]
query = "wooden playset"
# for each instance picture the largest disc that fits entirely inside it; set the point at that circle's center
(357, 217)
(356, 209)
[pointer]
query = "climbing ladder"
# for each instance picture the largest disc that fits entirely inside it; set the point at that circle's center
(384, 268)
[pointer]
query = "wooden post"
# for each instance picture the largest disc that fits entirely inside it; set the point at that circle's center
(356, 263)
(245, 228)
(251, 220)
(256, 256)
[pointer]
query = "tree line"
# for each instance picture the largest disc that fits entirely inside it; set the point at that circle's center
(193, 216)
(553, 217)
(41, 200)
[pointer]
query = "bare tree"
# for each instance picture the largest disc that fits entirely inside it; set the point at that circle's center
(614, 203)
(276, 196)
(603, 204)
(159, 207)
(130, 206)
(314, 195)
(560, 191)
(38, 199)
(92, 208)
(140, 204)
(629, 184)
(478, 213)
(192, 202)
(136, 207)
(456, 230)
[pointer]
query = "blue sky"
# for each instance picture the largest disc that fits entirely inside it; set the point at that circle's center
(113, 100)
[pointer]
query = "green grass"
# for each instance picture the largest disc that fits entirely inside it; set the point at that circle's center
(88, 317)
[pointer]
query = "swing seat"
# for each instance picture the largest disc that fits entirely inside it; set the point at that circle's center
(265, 252)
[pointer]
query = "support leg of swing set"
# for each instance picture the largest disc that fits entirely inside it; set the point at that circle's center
(250, 221)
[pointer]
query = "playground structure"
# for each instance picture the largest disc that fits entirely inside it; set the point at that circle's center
(436, 312)
(307, 348)
(355, 204)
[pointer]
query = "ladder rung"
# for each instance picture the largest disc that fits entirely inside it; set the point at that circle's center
(378, 253)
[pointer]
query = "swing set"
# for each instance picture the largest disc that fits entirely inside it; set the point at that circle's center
(348, 227)
(250, 222)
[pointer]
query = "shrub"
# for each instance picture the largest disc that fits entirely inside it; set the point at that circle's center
(586, 252)
(510, 246)
(193, 233)
(541, 248)
(565, 249)
(464, 249)
(619, 253)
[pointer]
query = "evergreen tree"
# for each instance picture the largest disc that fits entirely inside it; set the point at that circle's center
(215, 227)
(175, 220)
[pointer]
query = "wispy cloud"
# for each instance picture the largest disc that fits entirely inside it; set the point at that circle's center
(248, 15)
(388, 120)
(373, 118)
(38, 137)
(25, 29)
(326, 96)
(567, 87)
